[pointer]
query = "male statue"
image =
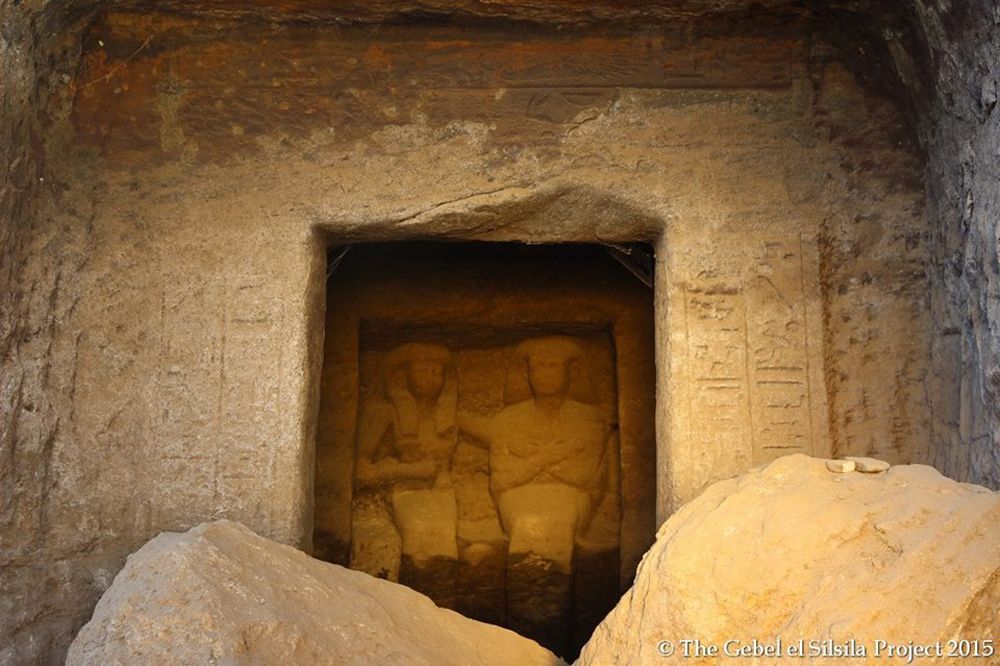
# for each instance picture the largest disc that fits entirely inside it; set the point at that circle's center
(548, 459)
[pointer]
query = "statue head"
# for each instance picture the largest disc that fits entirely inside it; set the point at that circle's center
(418, 366)
(421, 373)
(425, 378)
(548, 362)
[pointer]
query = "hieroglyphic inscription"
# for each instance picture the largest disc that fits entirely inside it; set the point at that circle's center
(748, 350)
(217, 415)
(779, 356)
(250, 418)
(186, 416)
(717, 350)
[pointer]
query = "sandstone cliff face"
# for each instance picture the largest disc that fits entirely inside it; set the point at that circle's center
(176, 281)
(221, 594)
(961, 134)
(35, 58)
(795, 551)
(94, 248)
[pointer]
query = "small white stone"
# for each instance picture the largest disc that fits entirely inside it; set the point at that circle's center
(869, 465)
(840, 466)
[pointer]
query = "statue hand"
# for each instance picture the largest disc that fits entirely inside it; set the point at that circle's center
(424, 469)
(443, 480)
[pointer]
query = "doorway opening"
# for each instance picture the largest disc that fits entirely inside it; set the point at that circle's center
(486, 429)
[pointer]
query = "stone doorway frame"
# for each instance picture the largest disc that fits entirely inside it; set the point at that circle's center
(554, 215)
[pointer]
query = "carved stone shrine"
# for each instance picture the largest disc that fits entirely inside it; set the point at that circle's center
(486, 429)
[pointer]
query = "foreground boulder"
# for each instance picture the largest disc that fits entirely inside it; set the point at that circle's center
(797, 551)
(220, 594)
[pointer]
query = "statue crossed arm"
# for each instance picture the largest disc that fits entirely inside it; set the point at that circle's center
(587, 465)
(549, 438)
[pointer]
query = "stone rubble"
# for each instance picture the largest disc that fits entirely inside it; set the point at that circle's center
(790, 551)
(869, 465)
(841, 466)
(785, 553)
(220, 594)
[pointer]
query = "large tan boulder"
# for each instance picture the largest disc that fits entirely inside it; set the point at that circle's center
(220, 594)
(797, 551)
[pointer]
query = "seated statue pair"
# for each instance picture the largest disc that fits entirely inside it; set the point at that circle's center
(548, 454)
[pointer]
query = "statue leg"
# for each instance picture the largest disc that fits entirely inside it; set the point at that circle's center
(481, 581)
(541, 523)
(428, 525)
(375, 542)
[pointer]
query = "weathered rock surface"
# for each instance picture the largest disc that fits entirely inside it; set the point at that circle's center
(796, 551)
(221, 594)
(961, 133)
(116, 280)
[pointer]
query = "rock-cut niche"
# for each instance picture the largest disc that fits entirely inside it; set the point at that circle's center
(486, 429)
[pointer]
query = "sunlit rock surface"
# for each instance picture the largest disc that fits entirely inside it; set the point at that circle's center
(221, 594)
(797, 551)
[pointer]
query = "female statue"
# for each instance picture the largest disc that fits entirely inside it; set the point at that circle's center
(406, 441)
